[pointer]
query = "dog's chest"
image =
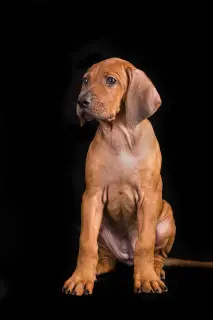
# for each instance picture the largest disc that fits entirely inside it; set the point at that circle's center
(121, 167)
(121, 194)
(127, 161)
(121, 201)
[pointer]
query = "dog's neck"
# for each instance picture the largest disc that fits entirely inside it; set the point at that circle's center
(118, 135)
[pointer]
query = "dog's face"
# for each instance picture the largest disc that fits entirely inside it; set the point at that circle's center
(109, 83)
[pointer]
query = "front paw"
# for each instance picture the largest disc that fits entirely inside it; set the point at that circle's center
(160, 273)
(80, 283)
(148, 282)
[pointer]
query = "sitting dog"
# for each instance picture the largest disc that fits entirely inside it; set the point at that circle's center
(123, 215)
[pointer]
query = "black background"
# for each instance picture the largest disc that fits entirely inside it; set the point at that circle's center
(43, 153)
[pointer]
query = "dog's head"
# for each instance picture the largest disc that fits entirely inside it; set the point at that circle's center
(113, 85)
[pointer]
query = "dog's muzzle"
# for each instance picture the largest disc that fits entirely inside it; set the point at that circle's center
(84, 103)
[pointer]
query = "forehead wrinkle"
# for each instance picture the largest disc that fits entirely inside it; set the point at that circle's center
(93, 71)
(117, 74)
(112, 73)
(111, 68)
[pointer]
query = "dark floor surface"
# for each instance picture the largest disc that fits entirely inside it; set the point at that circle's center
(190, 291)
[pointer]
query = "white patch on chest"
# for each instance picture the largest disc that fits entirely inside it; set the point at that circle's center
(127, 160)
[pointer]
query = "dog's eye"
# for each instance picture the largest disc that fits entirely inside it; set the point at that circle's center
(84, 80)
(111, 80)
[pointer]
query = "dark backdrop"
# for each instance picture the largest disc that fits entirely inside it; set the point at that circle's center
(43, 153)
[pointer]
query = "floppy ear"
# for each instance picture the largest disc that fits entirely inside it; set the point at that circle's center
(142, 98)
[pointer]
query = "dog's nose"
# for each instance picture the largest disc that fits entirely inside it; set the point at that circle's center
(84, 103)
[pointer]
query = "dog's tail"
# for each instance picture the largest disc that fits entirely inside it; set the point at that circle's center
(172, 262)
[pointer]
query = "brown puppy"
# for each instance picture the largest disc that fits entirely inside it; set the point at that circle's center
(123, 214)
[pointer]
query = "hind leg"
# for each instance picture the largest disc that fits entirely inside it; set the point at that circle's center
(165, 236)
(106, 260)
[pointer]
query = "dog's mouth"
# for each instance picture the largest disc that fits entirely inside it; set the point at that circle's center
(89, 115)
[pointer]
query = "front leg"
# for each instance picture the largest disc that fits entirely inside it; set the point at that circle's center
(82, 280)
(145, 277)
